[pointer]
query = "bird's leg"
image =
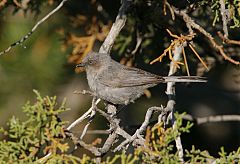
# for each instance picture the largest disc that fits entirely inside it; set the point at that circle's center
(119, 108)
(111, 109)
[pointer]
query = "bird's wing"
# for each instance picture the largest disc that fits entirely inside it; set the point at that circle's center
(123, 76)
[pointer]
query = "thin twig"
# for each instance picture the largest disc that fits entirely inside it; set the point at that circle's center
(116, 27)
(196, 26)
(185, 61)
(139, 131)
(227, 40)
(211, 119)
(171, 10)
(83, 117)
(114, 124)
(94, 132)
(43, 159)
(93, 113)
(84, 92)
(171, 94)
(139, 40)
(24, 38)
(199, 58)
(224, 18)
(94, 150)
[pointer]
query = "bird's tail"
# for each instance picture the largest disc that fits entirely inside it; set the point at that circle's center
(181, 79)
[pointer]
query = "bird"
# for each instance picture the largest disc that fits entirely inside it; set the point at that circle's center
(119, 84)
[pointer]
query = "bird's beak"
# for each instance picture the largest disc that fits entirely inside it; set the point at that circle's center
(80, 65)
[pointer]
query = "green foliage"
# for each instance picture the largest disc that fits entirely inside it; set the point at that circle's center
(196, 155)
(232, 157)
(42, 132)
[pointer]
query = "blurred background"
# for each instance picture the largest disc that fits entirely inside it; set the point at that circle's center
(46, 62)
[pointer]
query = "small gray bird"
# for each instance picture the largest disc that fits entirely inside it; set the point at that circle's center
(119, 84)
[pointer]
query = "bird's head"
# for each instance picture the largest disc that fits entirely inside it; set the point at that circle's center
(94, 60)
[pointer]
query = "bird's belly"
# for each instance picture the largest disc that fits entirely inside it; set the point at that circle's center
(123, 95)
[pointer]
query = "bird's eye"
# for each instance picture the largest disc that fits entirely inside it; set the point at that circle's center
(90, 61)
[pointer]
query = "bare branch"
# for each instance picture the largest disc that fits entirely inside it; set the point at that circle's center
(196, 26)
(171, 10)
(212, 119)
(224, 17)
(171, 94)
(112, 138)
(118, 131)
(114, 124)
(98, 132)
(24, 38)
(84, 92)
(89, 122)
(139, 41)
(139, 131)
(94, 150)
(227, 40)
(83, 117)
(116, 27)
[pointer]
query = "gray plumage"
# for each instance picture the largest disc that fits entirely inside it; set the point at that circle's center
(119, 84)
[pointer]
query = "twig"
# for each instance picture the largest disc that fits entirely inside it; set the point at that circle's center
(170, 9)
(84, 116)
(98, 132)
(139, 131)
(227, 40)
(139, 41)
(43, 159)
(116, 27)
(84, 92)
(114, 123)
(112, 138)
(93, 112)
(171, 94)
(196, 26)
(212, 119)
(118, 131)
(24, 38)
(185, 61)
(224, 18)
(94, 150)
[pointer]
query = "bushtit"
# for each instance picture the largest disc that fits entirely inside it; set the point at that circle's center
(119, 84)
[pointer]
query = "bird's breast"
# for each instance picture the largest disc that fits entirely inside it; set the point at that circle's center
(92, 81)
